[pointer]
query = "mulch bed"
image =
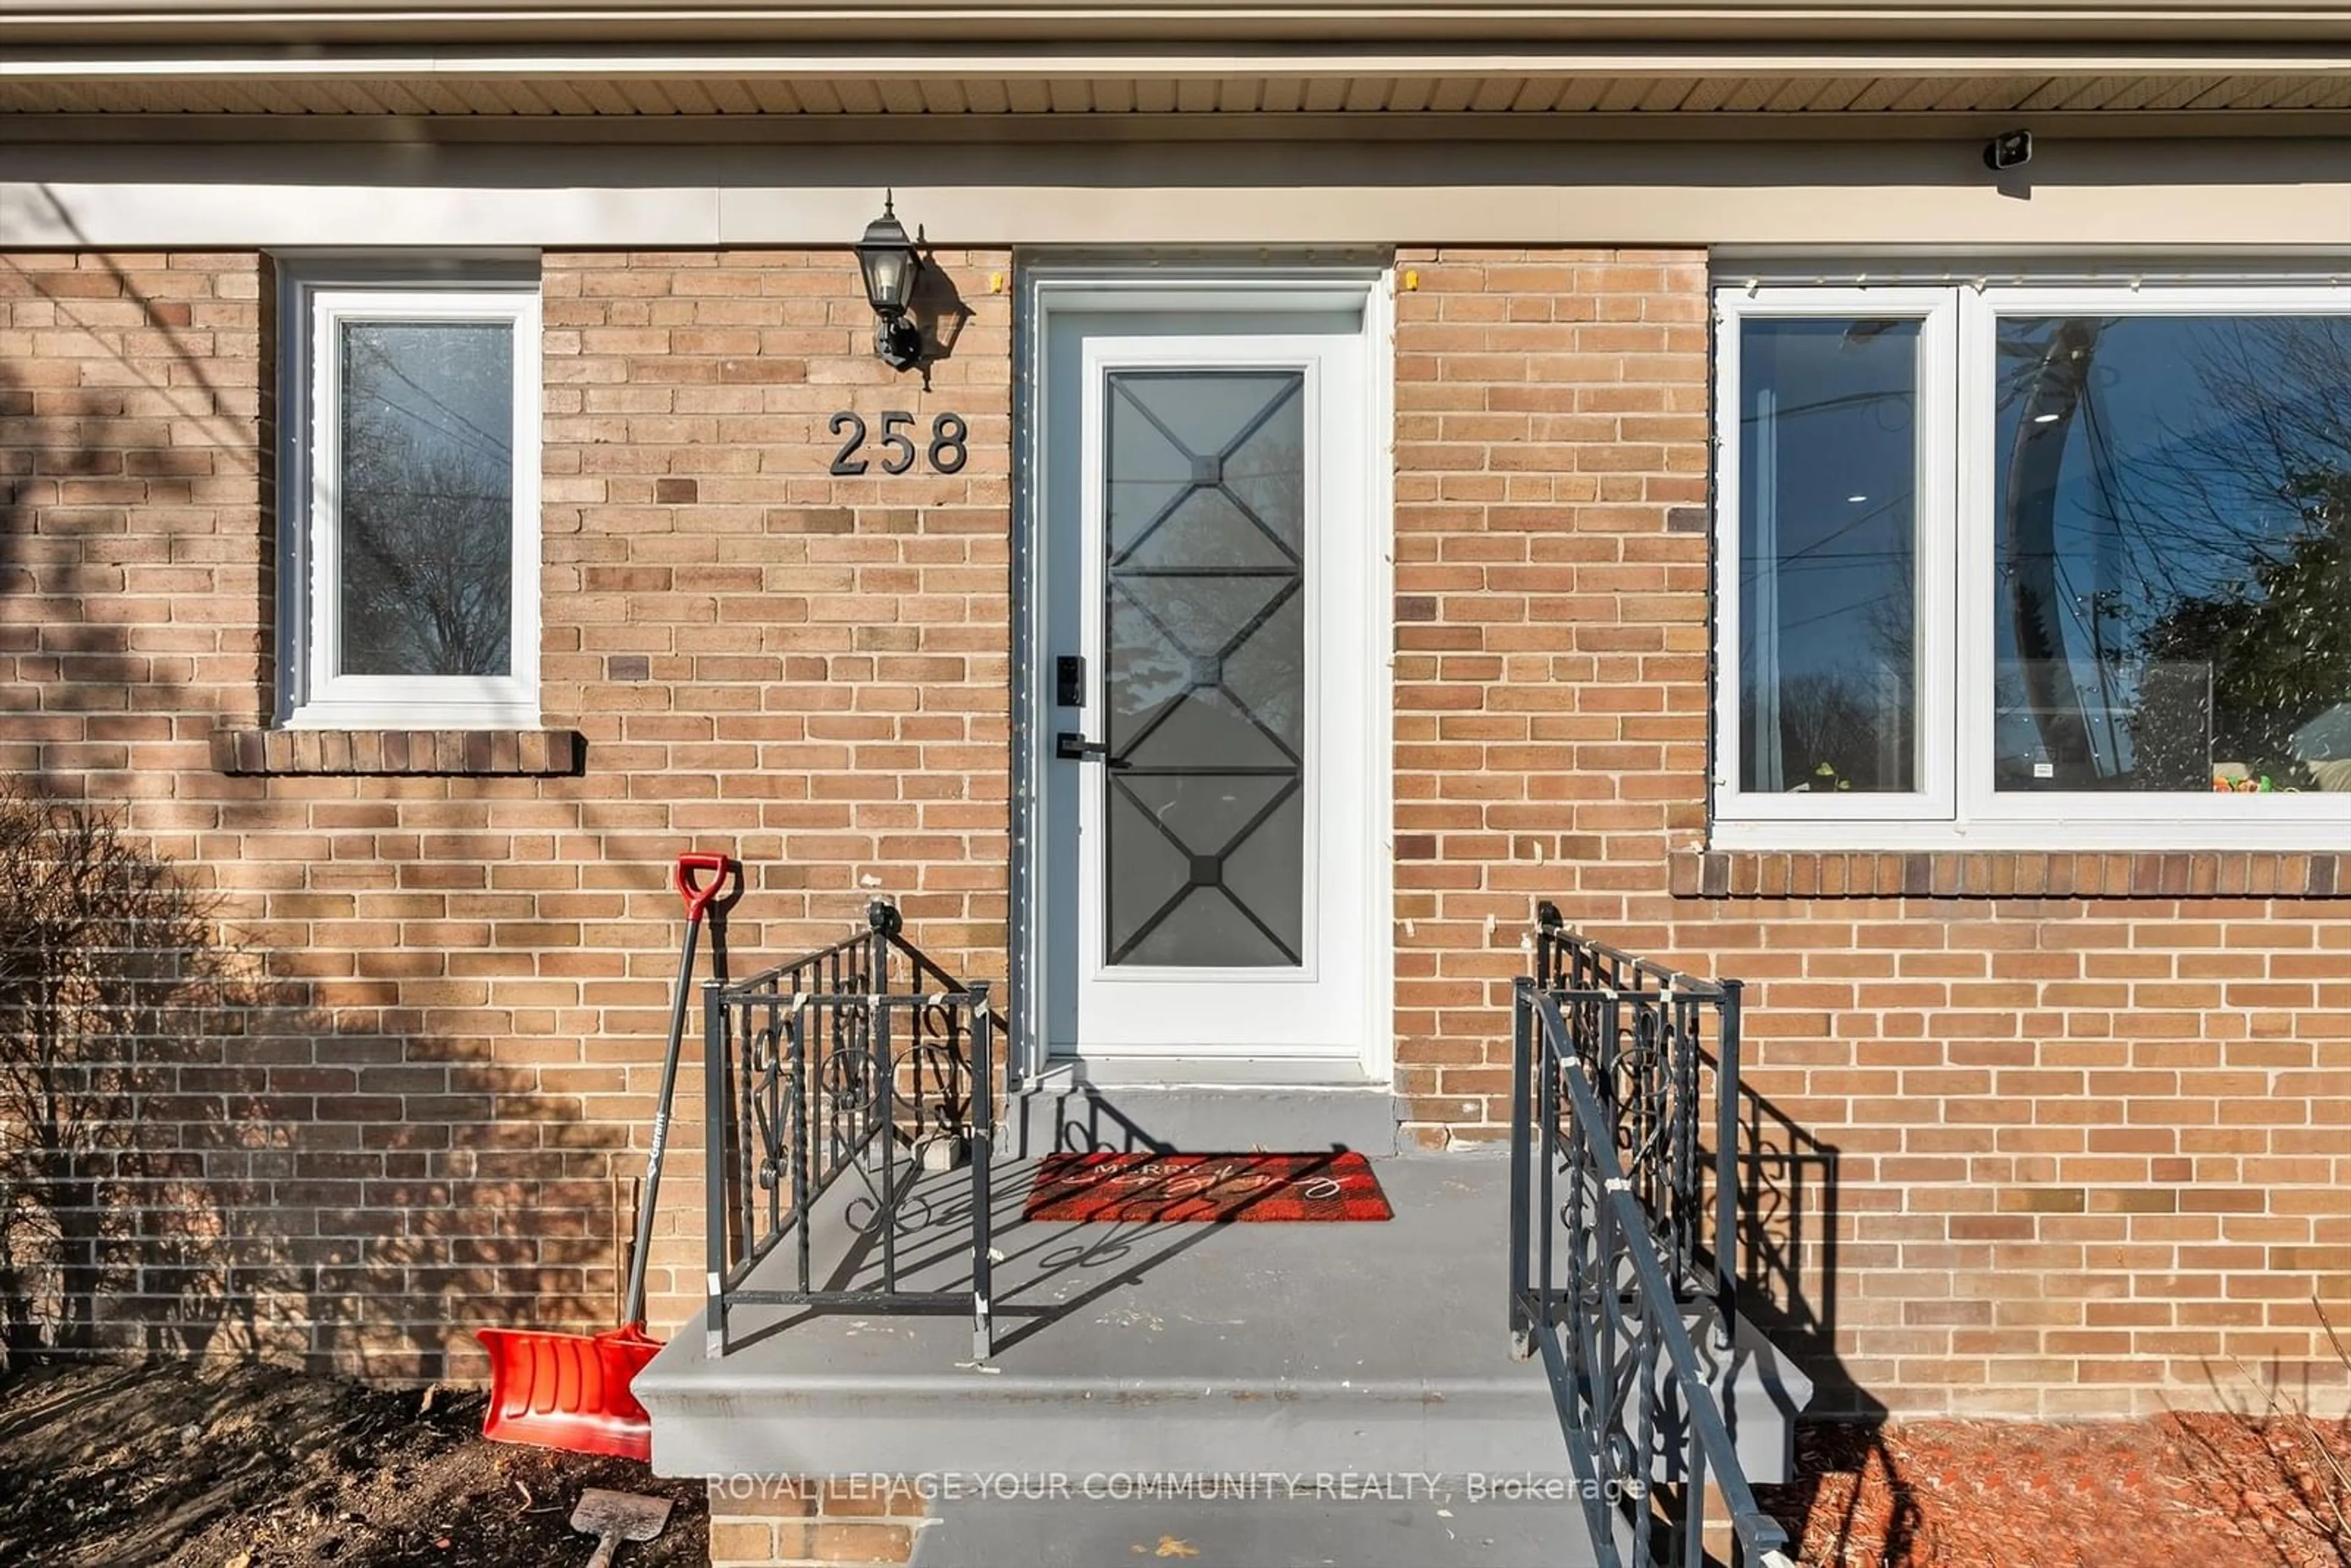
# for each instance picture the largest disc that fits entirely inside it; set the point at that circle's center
(256, 1467)
(2176, 1491)
(263, 1467)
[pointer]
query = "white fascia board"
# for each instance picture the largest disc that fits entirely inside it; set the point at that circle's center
(69, 216)
(1832, 201)
(1179, 20)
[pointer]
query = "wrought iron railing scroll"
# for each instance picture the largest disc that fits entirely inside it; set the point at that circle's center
(844, 1075)
(1612, 1260)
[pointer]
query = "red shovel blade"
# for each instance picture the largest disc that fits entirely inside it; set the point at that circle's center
(569, 1391)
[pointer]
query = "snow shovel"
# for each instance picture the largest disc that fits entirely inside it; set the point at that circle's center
(573, 1391)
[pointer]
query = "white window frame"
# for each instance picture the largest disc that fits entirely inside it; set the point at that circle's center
(1957, 806)
(313, 694)
(1933, 591)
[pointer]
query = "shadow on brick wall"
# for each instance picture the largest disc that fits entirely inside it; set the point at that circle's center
(107, 982)
(195, 1162)
(1788, 1247)
(939, 309)
(1788, 1219)
(206, 1151)
(121, 1126)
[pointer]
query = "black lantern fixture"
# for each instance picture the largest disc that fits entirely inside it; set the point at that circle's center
(886, 257)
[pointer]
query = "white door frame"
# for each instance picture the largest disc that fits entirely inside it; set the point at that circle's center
(1048, 292)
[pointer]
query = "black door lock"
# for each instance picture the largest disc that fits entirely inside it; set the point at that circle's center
(1069, 748)
(1070, 681)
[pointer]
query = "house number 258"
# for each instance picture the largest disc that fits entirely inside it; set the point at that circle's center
(946, 452)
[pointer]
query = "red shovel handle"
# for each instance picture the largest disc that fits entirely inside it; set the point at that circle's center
(699, 897)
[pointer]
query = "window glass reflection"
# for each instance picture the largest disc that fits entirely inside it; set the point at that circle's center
(427, 499)
(2171, 608)
(1827, 559)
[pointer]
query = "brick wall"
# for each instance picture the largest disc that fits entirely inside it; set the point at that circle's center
(427, 1118)
(775, 1521)
(136, 546)
(2080, 1133)
(1551, 624)
(135, 572)
(2089, 1139)
(811, 671)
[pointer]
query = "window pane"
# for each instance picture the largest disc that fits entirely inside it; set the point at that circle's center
(1828, 521)
(427, 499)
(2172, 597)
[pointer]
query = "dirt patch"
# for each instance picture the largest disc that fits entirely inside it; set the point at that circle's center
(259, 1467)
(2178, 1489)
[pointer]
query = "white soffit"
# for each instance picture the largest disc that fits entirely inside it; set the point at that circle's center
(952, 98)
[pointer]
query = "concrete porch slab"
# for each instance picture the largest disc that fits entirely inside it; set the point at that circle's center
(1351, 1349)
(1363, 1347)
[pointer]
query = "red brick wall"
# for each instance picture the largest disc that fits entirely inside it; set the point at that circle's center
(137, 546)
(777, 1521)
(2090, 1153)
(1550, 571)
(825, 679)
(428, 1123)
(135, 575)
(2088, 1145)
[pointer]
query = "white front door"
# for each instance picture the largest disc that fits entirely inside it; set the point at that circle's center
(1210, 557)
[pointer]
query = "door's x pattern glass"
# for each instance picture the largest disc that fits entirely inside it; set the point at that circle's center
(1205, 859)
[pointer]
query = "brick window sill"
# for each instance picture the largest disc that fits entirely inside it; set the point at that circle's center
(1758, 873)
(400, 753)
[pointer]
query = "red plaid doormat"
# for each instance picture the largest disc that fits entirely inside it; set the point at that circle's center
(1157, 1188)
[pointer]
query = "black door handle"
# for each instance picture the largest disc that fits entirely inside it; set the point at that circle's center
(1069, 748)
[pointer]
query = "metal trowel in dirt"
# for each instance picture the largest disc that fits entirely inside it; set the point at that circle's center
(612, 1517)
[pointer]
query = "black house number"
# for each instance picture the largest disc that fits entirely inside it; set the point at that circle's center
(946, 452)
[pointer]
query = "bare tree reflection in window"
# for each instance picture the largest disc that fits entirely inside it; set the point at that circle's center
(2175, 552)
(427, 499)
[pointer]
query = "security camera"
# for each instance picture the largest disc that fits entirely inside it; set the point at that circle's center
(2009, 150)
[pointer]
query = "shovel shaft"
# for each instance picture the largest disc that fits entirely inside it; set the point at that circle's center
(606, 1544)
(632, 1314)
(698, 901)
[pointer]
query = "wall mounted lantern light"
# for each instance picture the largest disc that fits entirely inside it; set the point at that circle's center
(886, 257)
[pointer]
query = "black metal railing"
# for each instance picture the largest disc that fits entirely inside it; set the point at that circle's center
(1611, 1260)
(1649, 1064)
(859, 1063)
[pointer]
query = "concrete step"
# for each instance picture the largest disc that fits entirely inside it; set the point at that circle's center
(1357, 1349)
(1446, 1531)
(1363, 1347)
(1761, 1392)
